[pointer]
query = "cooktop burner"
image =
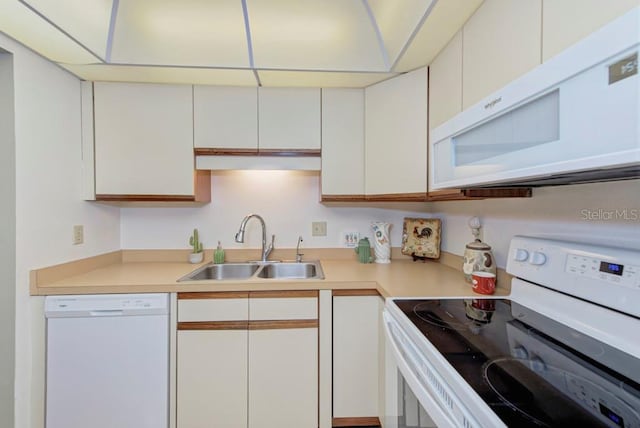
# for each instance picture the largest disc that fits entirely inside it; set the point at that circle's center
(532, 371)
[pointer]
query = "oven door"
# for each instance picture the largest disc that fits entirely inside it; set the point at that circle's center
(408, 401)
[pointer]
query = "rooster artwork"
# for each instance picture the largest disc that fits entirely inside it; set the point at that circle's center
(421, 238)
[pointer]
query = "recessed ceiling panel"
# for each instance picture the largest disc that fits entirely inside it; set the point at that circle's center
(397, 21)
(198, 76)
(85, 20)
(184, 32)
(444, 21)
(314, 35)
(320, 79)
(22, 24)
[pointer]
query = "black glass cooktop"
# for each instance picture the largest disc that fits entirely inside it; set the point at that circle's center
(532, 371)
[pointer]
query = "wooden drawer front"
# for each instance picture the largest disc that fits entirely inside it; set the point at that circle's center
(276, 308)
(213, 310)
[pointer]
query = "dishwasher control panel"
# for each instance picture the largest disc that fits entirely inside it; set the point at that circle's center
(106, 305)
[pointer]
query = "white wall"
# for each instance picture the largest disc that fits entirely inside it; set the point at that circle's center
(7, 240)
(48, 204)
(287, 200)
(566, 212)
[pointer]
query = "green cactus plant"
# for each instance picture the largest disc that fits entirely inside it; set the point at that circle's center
(194, 241)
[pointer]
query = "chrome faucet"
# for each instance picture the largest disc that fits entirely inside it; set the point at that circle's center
(265, 249)
(298, 253)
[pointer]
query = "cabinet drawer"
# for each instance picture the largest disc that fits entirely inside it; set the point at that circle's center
(212, 307)
(283, 305)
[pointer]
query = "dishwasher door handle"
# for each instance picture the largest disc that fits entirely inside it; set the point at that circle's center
(106, 313)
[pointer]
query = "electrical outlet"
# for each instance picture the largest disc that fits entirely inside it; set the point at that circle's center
(78, 234)
(349, 239)
(319, 228)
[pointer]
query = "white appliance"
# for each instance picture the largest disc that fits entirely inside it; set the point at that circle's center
(572, 119)
(107, 361)
(562, 350)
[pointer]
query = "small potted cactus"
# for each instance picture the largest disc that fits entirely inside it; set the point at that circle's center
(196, 255)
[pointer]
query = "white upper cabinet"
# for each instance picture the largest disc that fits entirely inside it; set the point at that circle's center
(289, 118)
(502, 41)
(566, 22)
(396, 135)
(343, 142)
(143, 139)
(225, 117)
(445, 83)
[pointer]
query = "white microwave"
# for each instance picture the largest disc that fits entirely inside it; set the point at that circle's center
(574, 118)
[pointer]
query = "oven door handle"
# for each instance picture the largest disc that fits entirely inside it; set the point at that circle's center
(409, 367)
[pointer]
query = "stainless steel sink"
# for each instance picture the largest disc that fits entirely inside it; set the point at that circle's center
(257, 270)
(222, 271)
(302, 270)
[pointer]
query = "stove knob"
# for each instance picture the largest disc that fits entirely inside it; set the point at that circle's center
(521, 255)
(537, 258)
(520, 352)
(537, 365)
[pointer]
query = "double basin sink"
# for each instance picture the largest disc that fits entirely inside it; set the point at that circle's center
(256, 270)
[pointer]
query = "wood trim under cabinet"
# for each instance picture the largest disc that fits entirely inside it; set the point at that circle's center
(213, 325)
(206, 151)
(282, 324)
(145, 198)
(213, 295)
(343, 198)
(397, 197)
(356, 292)
(370, 421)
(278, 294)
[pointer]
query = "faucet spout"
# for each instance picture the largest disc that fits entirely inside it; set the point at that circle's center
(240, 235)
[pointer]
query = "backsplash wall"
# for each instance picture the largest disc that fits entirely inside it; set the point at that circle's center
(288, 201)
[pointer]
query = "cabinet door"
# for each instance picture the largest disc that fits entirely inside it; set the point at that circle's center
(502, 41)
(568, 21)
(396, 135)
(289, 118)
(225, 117)
(445, 83)
(143, 139)
(283, 378)
(343, 142)
(355, 356)
(212, 379)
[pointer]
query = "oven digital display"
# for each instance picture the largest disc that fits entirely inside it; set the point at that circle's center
(612, 268)
(614, 417)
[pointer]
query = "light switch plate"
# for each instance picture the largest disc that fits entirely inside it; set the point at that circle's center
(319, 228)
(78, 234)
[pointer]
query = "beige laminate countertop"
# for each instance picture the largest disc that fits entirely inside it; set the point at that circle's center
(400, 278)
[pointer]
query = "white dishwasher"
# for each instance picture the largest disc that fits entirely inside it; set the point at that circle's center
(107, 361)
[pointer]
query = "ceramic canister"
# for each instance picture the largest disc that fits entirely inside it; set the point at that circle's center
(477, 258)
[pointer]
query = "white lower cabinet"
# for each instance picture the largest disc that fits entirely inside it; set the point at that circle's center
(356, 355)
(238, 367)
(283, 378)
(212, 379)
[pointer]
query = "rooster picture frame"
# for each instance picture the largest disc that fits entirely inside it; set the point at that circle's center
(421, 238)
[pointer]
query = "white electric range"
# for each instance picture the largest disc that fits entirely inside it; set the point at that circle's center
(562, 350)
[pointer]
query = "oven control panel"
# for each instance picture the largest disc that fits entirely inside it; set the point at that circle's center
(607, 276)
(605, 270)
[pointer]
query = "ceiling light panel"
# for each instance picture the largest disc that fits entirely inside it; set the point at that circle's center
(87, 21)
(320, 79)
(444, 21)
(313, 35)
(198, 76)
(397, 21)
(185, 32)
(25, 26)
